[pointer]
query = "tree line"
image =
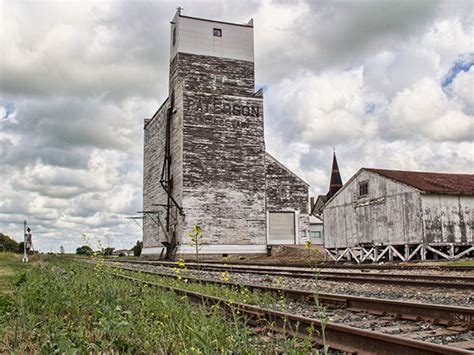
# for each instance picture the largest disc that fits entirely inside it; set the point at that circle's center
(9, 244)
(87, 250)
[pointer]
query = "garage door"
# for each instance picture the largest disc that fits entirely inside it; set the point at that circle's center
(281, 227)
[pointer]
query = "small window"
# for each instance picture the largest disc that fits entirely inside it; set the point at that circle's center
(315, 234)
(174, 36)
(282, 191)
(219, 79)
(363, 188)
(303, 234)
(217, 32)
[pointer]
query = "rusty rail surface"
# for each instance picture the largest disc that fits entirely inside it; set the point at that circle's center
(339, 265)
(338, 337)
(436, 281)
(438, 314)
(325, 265)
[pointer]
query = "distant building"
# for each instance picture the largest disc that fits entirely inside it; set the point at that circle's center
(316, 233)
(335, 184)
(125, 252)
(315, 230)
(205, 162)
(389, 214)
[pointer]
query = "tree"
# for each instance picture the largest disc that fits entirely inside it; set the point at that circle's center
(107, 251)
(84, 250)
(9, 244)
(137, 249)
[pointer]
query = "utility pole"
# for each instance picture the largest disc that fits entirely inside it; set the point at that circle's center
(25, 257)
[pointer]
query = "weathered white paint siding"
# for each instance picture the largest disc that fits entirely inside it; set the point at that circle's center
(390, 214)
(220, 174)
(448, 218)
(286, 192)
(217, 140)
(154, 152)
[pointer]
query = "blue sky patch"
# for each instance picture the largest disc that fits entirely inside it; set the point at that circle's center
(464, 64)
(262, 86)
(369, 108)
(9, 108)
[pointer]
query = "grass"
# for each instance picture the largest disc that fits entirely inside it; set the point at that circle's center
(10, 269)
(232, 293)
(61, 307)
(460, 263)
(12, 272)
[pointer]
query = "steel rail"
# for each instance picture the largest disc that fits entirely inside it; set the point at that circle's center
(336, 336)
(406, 280)
(437, 281)
(437, 314)
(326, 265)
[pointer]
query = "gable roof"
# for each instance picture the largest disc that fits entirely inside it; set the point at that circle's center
(318, 205)
(436, 183)
(271, 157)
(148, 120)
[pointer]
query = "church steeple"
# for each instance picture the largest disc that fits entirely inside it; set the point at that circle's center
(336, 181)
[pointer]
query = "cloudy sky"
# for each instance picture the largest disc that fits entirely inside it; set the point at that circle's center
(389, 84)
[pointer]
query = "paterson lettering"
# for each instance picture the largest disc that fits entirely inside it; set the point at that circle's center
(216, 106)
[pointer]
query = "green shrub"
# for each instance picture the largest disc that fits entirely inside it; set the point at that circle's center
(137, 249)
(8, 244)
(84, 250)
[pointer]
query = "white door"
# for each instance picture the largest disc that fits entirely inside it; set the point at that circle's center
(281, 227)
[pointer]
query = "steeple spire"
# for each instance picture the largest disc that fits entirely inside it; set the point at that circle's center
(336, 181)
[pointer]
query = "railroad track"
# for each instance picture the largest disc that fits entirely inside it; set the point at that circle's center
(439, 314)
(417, 280)
(368, 267)
(336, 336)
(429, 322)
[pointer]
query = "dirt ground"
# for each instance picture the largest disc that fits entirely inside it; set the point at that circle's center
(280, 255)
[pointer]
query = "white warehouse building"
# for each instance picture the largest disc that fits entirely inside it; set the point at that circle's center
(404, 215)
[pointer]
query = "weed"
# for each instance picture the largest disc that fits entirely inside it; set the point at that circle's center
(62, 307)
(320, 309)
(196, 236)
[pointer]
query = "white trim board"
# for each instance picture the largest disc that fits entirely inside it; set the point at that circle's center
(224, 249)
(153, 250)
(213, 249)
(283, 242)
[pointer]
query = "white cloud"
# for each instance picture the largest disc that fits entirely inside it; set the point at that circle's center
(463, 89)
(321, 109)
(425, 110)
(77, 79)
(448, 38)
(3, 112)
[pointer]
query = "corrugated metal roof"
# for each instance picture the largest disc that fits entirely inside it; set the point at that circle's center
(437, 183)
